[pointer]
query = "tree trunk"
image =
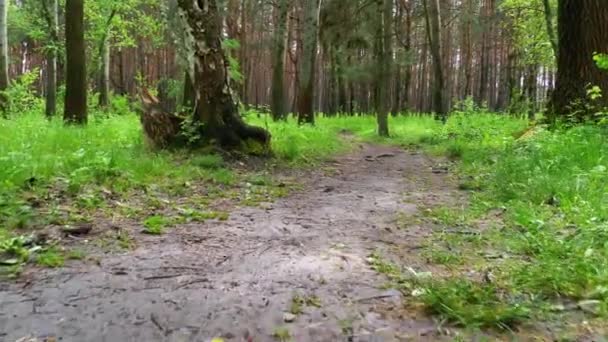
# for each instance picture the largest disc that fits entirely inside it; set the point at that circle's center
(279, 111)
(51, 11)
(549, 24)
(4, 81)
(583, 28)
(76, 83)
(104, 76)
(385, 20)
(307, 64)
(484, 67)
(468, 51)
(216, 110)
(433, 26)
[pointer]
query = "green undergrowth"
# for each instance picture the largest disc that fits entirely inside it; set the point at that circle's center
(533, 242)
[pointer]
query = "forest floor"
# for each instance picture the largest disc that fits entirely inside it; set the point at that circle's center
(297, 269)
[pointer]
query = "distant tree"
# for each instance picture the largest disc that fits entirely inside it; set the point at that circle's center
(4, 81)
(308, 62)
(384, 32)
(433, 24)
(278, 58)
(50, 10)
(76, 82)
(582, 32)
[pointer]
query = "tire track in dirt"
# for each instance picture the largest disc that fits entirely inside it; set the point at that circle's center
(237, 278)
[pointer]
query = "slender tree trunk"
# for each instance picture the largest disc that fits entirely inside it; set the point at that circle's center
(468, 51)
(583, 28)
(216, 110)
(549, 24)
(308, 63)
(433, 26)
(484, 67)
(4, 81)
(51, 11)
(384, 41)
(76, 83)
(279, 111)
(104, 70)
(104, 79)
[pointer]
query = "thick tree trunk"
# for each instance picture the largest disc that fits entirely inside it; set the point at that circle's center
(433, 25)
(76, 83)
(307, 64)
(4, 81)
(216, 110)
(279, 110)
(51, 11)
(583, 28)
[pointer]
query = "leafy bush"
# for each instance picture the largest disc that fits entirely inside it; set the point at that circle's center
(21, 95)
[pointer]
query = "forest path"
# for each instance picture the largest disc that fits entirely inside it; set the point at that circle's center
(238, 278)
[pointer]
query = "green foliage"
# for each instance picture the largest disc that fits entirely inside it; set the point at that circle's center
(21, 94)
(601, 60)
(527, 23)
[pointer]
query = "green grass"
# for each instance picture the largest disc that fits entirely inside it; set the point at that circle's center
(50, 257)
(155, 225)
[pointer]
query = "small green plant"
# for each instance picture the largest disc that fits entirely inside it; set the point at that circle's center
(76, 254)
(282, 334)
(296, 306)
(50, 257)
(155, 225)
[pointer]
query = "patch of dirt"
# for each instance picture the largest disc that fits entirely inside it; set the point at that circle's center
(238, 278)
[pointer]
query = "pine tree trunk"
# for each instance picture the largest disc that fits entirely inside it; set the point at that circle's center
(279, 110)
(307, 64)
(104, 76)
(582, 29)
(384, 41)
(76, 83)
(4, 81)
(52, 11)
(217, 110)
(433, 25)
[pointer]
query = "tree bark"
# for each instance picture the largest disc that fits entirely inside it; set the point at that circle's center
(279, 110)
(216, 110)
(384, 41)
(51, 9)
(4, 81)
(582, 29)
(76, 83)
(104, 76)
(307, 63)
(433, 25)
(104, 70)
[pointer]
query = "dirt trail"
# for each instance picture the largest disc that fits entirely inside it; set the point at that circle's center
(237, 278)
